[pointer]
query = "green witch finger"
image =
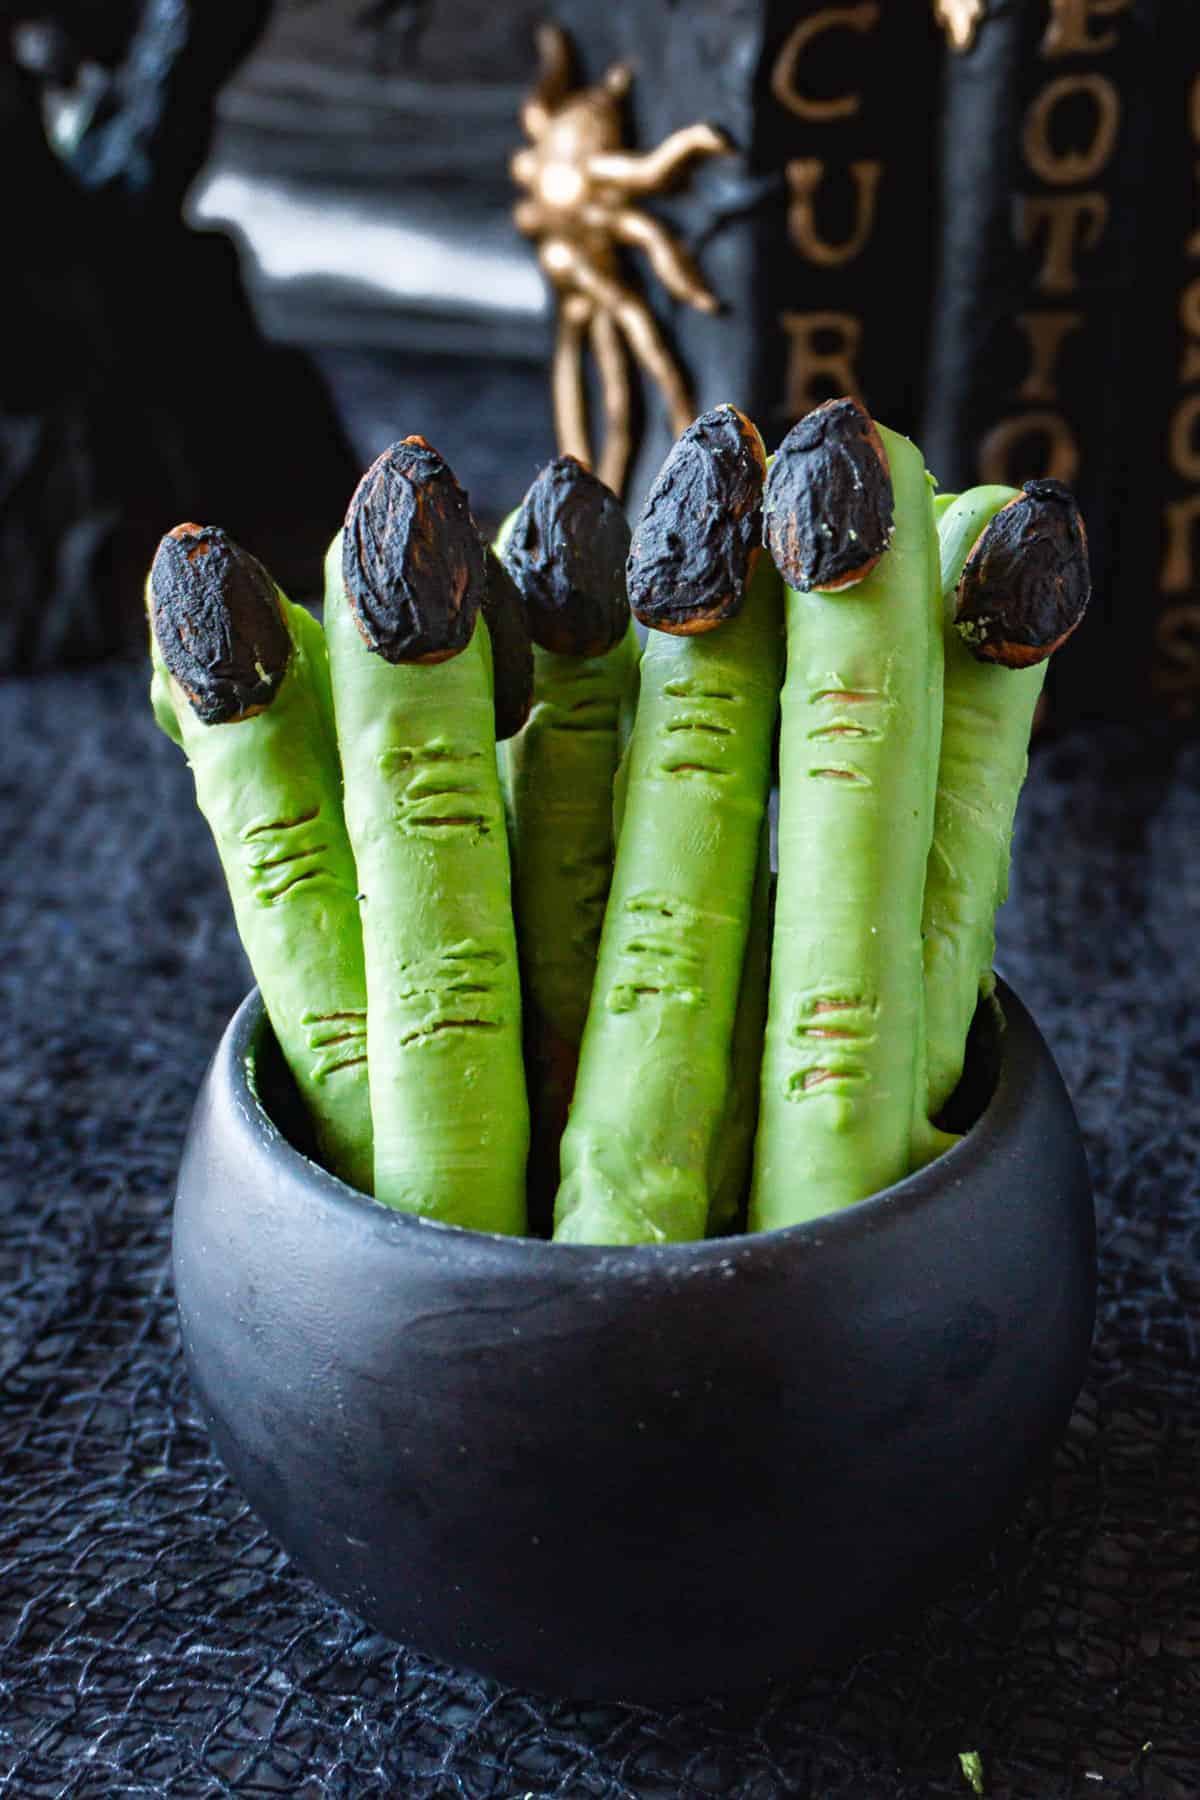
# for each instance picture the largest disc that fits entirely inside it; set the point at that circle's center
(626, 716)
(565, 548)
(1014, 566)
(412, 690)
(654, 1067)
(734, 1148)
(239, 682)
(842, 1090)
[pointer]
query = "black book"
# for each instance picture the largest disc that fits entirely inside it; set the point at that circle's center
(815, 234)
(1067, 200)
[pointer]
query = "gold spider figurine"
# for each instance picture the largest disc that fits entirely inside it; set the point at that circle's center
(581, 183)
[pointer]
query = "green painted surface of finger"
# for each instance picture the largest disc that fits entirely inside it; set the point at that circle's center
(565, 550)
(629, 696)
(984, 754)
(559, 774)
(625, 724)
(161, 703)
(424, 811)
(842, 1087)
(558, 777)
(310, 633)
(270, 788)
(958, 528)
(655, 1063)
(735, 1143)
(620, 793)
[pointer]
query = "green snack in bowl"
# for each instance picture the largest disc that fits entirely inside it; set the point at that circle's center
(1017, 560)
(412, 689)
(565, 549)
(559, 774)
(240, 682)
(842, 1099)
(654, 1069)
(734, 1148)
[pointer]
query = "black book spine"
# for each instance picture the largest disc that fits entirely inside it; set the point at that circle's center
(1064, 215)
(846, 116)
(816, 233)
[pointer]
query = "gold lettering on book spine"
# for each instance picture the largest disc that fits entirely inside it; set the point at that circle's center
(804, 177)
(1062, 168)
(1177, 663)
(1175, 674)
(1057, 454)
(1189, 318)
(1179, 564)
(823, 349)
(1068, 31)
(1072, 222)
(785, 84)
(1045, 332)
(581, 183)
(1183, 441)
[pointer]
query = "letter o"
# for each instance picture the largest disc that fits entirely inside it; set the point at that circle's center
(1062, 168)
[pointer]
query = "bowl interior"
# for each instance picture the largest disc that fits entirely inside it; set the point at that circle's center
(272, 1087)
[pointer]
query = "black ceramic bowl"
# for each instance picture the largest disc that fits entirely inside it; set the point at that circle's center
(641, 1472)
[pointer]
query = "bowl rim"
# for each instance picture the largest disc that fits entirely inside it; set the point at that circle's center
(1023, 1054)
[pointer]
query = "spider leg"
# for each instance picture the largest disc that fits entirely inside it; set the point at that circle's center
(669, 260)
(570, 400)
(646, 171)
(617, 79)
(641, 333)
(609, 353)
(553, 82)
(528, 217)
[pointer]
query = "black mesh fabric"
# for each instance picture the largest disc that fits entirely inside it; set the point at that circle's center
(155, 1641)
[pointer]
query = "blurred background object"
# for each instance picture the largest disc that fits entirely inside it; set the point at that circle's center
(135, 385)
(982, 217)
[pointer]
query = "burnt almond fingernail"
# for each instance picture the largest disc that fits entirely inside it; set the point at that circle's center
(215, 614)
(566, 552)
(412, 558)
(829, 508)
(1026, 584)
(697, 540)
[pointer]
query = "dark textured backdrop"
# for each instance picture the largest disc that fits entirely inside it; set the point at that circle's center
(153, 1640)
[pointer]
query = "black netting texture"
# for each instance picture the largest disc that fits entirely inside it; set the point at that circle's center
(155, 1641)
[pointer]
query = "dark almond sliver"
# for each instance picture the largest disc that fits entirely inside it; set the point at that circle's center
(412, 558)
(215, 615)
(696, 542)
(1026, 584)
(566, 551)
(512, 652)
(829, 507)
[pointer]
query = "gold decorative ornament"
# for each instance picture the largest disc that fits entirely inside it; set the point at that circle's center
(581, 182)
(960, 20)
(1068, 28)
